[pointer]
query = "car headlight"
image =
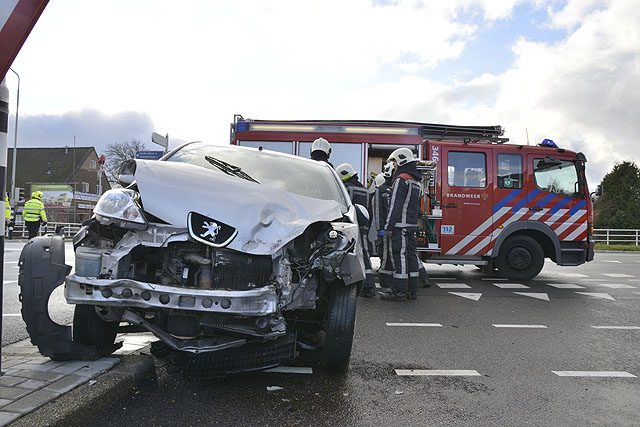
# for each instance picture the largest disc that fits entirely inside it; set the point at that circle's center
(119, 207)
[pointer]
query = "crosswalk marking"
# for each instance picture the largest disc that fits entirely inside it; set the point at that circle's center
(498, 325)
(510, 286)
(428, 325)
(537, 295)
(565, 286)
(597, 295)
(468, 295)
(453, 286)
(617, 327)
(617, 275)
(614, 261)
(437, 372)
(608, 374)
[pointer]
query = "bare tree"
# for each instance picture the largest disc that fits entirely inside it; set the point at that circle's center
(116, 153)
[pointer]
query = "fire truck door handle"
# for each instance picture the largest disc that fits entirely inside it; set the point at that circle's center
(449, 206)
(536, 208)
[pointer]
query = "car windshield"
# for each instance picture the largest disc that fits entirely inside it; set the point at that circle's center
(291, 174)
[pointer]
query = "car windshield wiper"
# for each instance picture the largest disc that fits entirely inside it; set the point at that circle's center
(229, 169)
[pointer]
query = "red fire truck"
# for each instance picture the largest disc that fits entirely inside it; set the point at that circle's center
(486, 202)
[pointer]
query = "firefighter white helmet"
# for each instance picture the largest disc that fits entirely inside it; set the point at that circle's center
(379, 180)
(321, 144)
(345, 171)
(387, 170)
(402, 156)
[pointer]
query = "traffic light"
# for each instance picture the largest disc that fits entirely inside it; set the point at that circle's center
(19, 194)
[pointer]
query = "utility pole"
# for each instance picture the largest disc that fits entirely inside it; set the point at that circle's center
(15, 146)
(4, 142)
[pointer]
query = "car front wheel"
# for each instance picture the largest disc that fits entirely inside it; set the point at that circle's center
(91, 330)
(339, 327)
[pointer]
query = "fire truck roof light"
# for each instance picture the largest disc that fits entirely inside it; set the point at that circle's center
(379, 130)
(282, 127)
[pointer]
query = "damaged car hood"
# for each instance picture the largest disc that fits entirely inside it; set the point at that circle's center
(265, 218)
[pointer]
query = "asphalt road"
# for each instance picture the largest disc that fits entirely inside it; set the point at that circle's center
(569, 321)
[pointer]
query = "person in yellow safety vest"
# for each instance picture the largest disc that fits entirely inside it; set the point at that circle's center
(33, 214)
(7, 209)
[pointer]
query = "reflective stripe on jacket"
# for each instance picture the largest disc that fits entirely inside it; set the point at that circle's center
(7, 209)
(34, 211)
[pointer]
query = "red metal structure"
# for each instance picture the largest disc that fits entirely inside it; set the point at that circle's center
(487, 203)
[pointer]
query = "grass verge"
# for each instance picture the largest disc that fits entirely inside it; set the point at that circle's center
(603, 246)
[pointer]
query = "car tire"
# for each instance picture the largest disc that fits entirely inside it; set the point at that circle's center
(339, 327)
(520, 258)
(91, 330)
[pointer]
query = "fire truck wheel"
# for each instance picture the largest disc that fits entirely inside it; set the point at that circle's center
(520, 258)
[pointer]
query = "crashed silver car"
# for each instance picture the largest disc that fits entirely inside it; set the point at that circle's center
(235, 253)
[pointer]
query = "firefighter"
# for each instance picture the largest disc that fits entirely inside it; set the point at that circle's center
(401, 225)
(34, 214)
(380, 209)
(359, 195)
(321, 150)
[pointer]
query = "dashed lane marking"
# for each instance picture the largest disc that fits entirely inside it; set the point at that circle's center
(565, 286)
(606, 374)
(617, 327)
(498, 325)
(453, 286)
(437, 372)
(290, 370)
(617, 262)
(426, 325)
(467, 295)
(6, 282)
(616, 286)
(11, 315)
(510, 286)
(617, 275)
(536, 295)
(597, 295)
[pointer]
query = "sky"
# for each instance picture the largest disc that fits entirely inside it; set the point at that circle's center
(106, 71)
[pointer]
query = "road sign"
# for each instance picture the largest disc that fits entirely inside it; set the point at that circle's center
(149, 155)
(162, 141)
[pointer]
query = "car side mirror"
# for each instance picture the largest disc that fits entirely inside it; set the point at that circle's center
(362, 215)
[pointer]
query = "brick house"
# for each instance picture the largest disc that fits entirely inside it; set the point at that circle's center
(67, 176)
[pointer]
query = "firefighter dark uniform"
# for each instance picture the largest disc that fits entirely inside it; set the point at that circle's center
(359, 195)
(34, 214)
(402, 224)
(383, 244)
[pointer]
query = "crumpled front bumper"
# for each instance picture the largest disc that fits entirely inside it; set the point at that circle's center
(131, 293)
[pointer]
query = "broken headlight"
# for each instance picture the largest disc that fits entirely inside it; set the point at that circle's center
(120, 207)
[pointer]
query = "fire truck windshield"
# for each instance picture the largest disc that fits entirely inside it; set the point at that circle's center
(560, 177)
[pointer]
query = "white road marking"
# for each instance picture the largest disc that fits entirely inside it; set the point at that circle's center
(565, 286)
(11, 315)
(467, 295)
(437, 372)
(428, 325)
(572, 275)
(617, 327)
(510, 286)
(617, 275)
(498, 325)
(453, 286)
(607, 374)
(536, 295)
(290, 370)
(5, 282)
(597, 295)
(617, 262)
(492, 278)
(616, 286)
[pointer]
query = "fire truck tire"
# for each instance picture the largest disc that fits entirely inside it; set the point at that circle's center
(339, 328)
(520, 258)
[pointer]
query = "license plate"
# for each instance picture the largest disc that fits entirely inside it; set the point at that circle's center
(210, 231)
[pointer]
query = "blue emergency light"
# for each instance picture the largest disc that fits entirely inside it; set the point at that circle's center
(242, 127)
(548, 143)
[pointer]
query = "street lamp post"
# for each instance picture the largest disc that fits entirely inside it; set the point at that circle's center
(15, 144)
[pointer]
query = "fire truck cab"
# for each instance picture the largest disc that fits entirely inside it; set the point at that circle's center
(485, 202)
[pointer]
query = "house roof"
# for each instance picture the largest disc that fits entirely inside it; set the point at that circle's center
(43, 165)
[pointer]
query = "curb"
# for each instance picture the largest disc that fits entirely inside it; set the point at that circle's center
(80, 405)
